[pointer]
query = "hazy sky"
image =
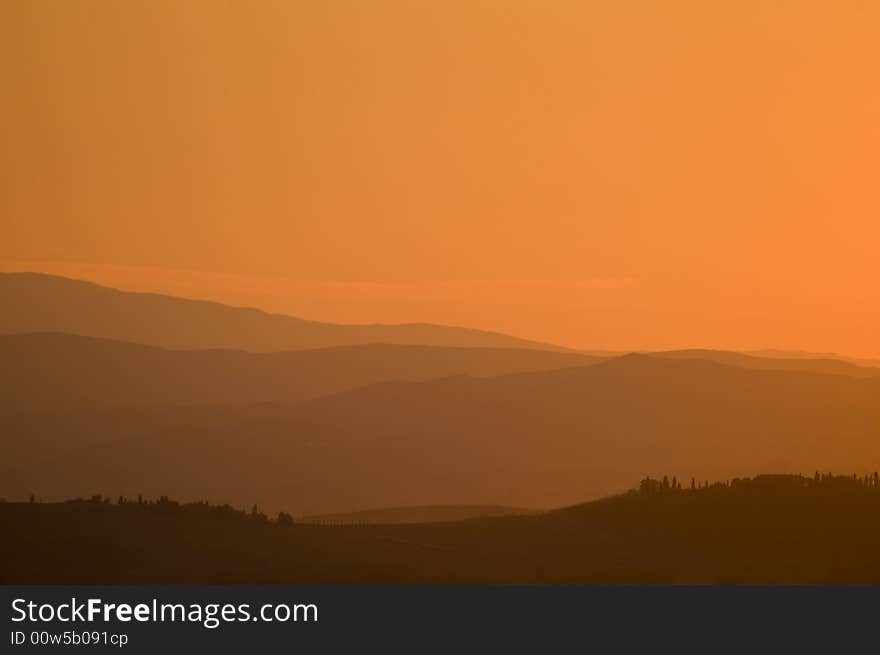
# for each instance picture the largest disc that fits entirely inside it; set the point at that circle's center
(612, 174)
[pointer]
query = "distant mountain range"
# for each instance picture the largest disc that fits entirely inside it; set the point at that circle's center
(57, 371)
(539, 439)
(34, 302)
(47, 371)
(802, 354)
(775, 362)
(111, 392)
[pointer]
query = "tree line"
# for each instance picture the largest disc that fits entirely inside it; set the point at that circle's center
(651, 486)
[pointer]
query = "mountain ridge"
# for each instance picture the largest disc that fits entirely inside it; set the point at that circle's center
(58, 370)
(38, 302)
(540, 439)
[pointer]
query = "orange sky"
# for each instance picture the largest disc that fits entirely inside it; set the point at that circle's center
(612, 174)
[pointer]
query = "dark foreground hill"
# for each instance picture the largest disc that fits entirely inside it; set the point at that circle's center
(542, 439)
(769, 530)
(416, 514)
(34, 302)
(47, 371)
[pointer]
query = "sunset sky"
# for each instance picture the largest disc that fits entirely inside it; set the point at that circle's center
(615, 174)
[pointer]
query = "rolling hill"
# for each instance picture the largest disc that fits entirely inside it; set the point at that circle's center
(34, 302)
(766, 530)
(801, 354)
(539, 439)
(817, 364)
(45, 372)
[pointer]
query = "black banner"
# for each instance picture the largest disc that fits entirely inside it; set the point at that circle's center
(232, 619)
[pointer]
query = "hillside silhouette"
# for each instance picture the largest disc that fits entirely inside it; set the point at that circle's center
(829, 365)
(771, 529)
(35, 302)
(538, 439)
(59, 371)
(776, 353)
(49, 371)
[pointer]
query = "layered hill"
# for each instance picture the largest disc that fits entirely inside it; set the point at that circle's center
(34, 302)
(801, 354)
(60, 371)
(815, 364)
(539, 439)
(48, 371)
